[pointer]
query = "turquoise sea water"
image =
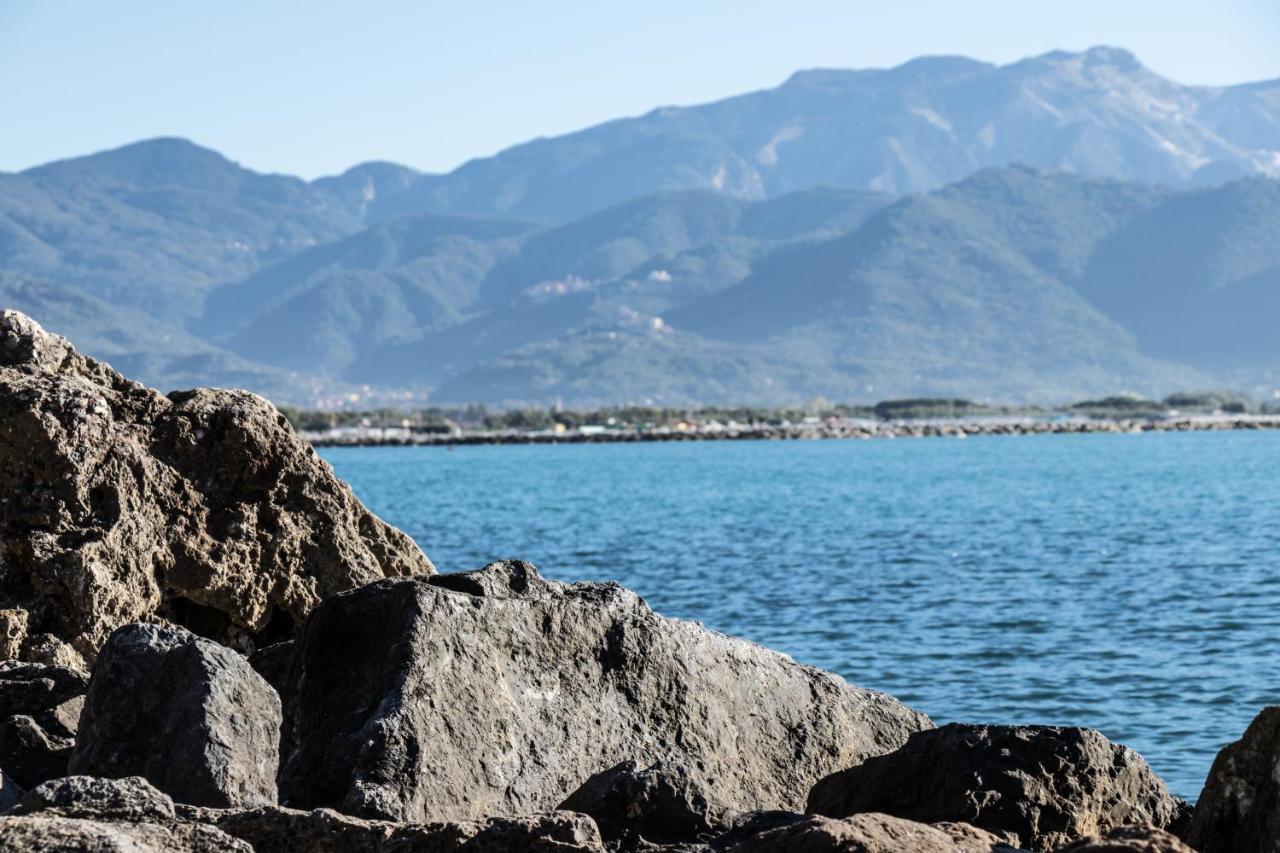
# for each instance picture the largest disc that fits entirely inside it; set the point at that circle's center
(1125, 582)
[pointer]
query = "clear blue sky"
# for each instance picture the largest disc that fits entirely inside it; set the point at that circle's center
(313, 87)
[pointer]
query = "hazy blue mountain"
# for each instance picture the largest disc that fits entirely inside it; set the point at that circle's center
(143, 347)
(983, 284)
(915, 127)
(1198, 278)
(154, 225)
(407, 303)
(850, 233)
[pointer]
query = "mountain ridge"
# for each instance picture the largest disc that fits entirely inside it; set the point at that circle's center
(735, 251)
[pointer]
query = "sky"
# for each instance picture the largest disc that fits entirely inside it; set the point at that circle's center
(312, 88)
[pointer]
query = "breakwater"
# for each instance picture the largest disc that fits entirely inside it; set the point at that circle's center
(833, 428)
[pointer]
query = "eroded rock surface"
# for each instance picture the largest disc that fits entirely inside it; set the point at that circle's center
(663, 801)
(282, 830)
(80, 814)
(498, 692)
(130, 799)
(1130, 839)
(39, 713)
(190, 716)
(1047, 785)
(870, 833)
(202, 507)
(1239, 808)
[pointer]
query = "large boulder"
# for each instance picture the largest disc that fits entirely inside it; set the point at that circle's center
(1047, 785)
(202, 507)
(190, 716)
(282, 830)
(1239, 808)
(871, 833)
(498, 692)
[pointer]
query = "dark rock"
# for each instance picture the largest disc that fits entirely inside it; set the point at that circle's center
(188, 715)
(1049, 786)
(10, 792)
(272, 663)
(498, 692)
(1130, 839)
(29, 753)
(1239, 808)
(664, 801)
(31, 688)
(870, 833)
(39, 711)
(202, 507)
(282, 830)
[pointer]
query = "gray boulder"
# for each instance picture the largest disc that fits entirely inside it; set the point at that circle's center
(131, 799)
(871, 833)
(80, 814)
(1239, 808)
(52, 834)
(498, 692)
(282, 830)
(202, 507)
(190, 716)
(1130, 839)
(664, 801)
(1048, 786)
(33, 688)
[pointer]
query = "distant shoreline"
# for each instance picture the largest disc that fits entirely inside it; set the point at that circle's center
(833, 428)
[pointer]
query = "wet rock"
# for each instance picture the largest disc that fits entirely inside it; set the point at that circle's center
(201, 507)
(282, 830)
(190, 716)
(498, 692)
(1049, 786)
(1239, 808)
(870, 833)
(664, 801)
(1130, 839)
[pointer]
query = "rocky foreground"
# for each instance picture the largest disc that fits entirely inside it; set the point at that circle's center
(213, 646)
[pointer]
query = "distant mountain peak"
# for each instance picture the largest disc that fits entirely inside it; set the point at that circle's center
(150, 162)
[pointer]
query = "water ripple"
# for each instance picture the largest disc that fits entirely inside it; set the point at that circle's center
(1127, 583)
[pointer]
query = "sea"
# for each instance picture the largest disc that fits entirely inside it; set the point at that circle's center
(1129, 583)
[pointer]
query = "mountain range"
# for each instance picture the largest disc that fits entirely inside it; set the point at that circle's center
(1068, 225)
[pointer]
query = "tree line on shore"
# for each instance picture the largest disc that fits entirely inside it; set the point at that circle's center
(535, 418)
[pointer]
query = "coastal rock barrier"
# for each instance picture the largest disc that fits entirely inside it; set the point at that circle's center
(833, 428)
(212, 646)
